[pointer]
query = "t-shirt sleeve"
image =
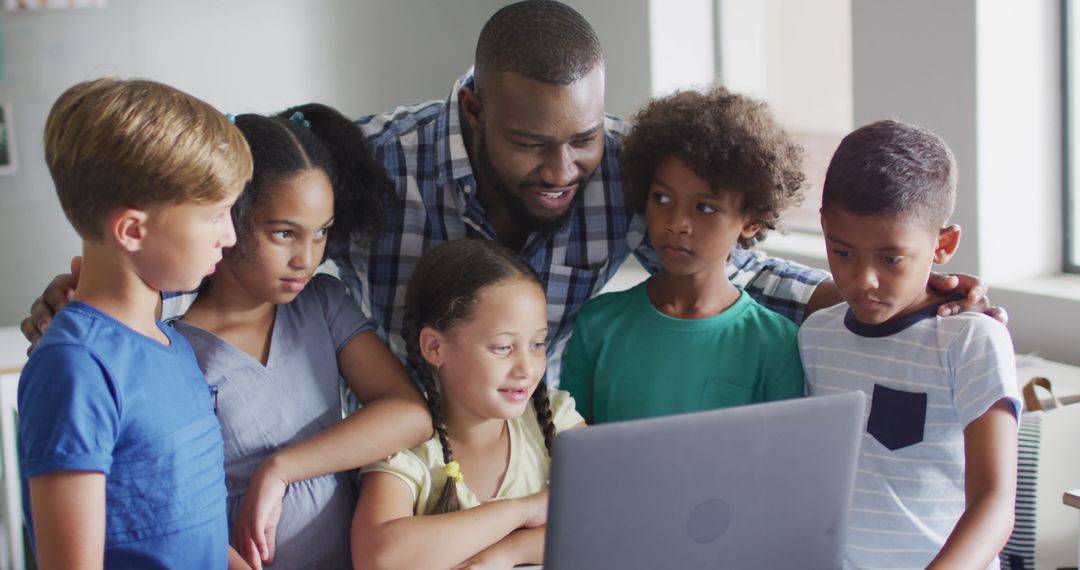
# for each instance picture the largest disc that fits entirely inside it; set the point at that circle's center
(647, 257)
(785, 377)
(563, 413)
(407, 467)
(69, 416)
(579, 368)
(343, 314)
(175, 304)
(984, 368)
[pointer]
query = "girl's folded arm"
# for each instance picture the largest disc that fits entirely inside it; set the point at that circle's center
(393, 417)
(523, 546)
(386, 534)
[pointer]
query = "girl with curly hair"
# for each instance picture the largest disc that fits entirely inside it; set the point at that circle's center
(276, 341)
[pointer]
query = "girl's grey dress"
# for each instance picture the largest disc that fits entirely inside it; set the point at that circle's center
(296, 395)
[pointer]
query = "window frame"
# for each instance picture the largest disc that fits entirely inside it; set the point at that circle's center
(1070, 258)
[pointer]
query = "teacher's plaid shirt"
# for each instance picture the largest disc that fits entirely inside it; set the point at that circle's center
(422, 149)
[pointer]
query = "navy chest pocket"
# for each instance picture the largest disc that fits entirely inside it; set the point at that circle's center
(897, 417)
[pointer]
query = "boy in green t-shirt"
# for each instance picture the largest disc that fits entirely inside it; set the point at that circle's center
(708, 170)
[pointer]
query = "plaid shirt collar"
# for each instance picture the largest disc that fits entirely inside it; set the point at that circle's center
(451, 154)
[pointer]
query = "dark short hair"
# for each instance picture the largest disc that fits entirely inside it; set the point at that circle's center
(542, 40)
(895, 169)
(731, 141)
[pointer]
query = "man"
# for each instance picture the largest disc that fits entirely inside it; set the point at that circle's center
(522, 152)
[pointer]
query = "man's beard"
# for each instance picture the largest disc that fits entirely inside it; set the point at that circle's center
(514, 201)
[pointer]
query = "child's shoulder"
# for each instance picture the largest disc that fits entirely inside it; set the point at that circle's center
(826, 316)
(766, 317)
(326, 285)
(964, 334)
(970, 322)
(824, 320)
(414, 466)
(971, 335)
(82, 327)
(564, 412)
(324, 290)
(610, 303)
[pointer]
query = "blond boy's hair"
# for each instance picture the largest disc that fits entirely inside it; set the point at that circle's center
(112, 144)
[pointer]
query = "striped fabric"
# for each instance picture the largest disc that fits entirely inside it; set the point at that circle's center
(926, 378)
(1019, 552)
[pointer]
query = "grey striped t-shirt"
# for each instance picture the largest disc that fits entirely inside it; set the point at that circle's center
(926, 378)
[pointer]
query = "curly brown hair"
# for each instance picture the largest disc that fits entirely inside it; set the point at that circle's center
(731, 141)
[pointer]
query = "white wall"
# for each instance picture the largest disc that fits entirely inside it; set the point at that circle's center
(984, 75)
(245, 55)
(796, 55)
(915, 61)
(682, 45)
(1019, 125)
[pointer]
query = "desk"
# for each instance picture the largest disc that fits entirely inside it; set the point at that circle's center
(1072, 498)
(1064, 377)
(12, 357)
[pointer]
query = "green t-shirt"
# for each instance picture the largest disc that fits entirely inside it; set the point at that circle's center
(627, 360)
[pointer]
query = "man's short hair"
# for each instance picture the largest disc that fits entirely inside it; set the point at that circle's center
(112, 144)
(731, 141)
(542, 40)
(893, 169)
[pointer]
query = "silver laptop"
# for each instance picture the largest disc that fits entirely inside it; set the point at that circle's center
(755, 487)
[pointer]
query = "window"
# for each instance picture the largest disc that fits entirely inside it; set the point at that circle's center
(1071, 110)
(797, 57)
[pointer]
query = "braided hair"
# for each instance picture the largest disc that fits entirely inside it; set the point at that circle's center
(442, 294)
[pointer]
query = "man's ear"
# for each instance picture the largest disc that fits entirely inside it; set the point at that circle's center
(128, 228)
(948, 241)
(471, 107)
(433, 346)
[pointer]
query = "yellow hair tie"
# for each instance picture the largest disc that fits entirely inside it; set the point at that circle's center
(453, 471)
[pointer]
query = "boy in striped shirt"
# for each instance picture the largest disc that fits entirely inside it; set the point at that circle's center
(937, 473)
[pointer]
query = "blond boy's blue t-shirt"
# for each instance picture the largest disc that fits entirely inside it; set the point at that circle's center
(98, 396)
(627, 360)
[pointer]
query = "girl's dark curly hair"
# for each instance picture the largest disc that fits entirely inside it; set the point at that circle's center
(731, 141)
(314, 136)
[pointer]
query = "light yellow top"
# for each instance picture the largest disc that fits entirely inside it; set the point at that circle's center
(423, 470)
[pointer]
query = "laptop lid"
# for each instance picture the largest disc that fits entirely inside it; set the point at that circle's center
(756, 487)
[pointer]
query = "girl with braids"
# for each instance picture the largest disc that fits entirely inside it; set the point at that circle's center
(475, 494)
(275, 341)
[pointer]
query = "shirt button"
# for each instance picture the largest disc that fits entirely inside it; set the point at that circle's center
(468, 189)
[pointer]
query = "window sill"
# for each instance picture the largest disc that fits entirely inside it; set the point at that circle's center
(1063, 287)
(802, 247)
(1042, 310)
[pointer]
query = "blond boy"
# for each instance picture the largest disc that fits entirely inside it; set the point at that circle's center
(120, 449)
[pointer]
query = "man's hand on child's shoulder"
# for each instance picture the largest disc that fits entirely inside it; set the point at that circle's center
(975, 298)
(56, 295)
